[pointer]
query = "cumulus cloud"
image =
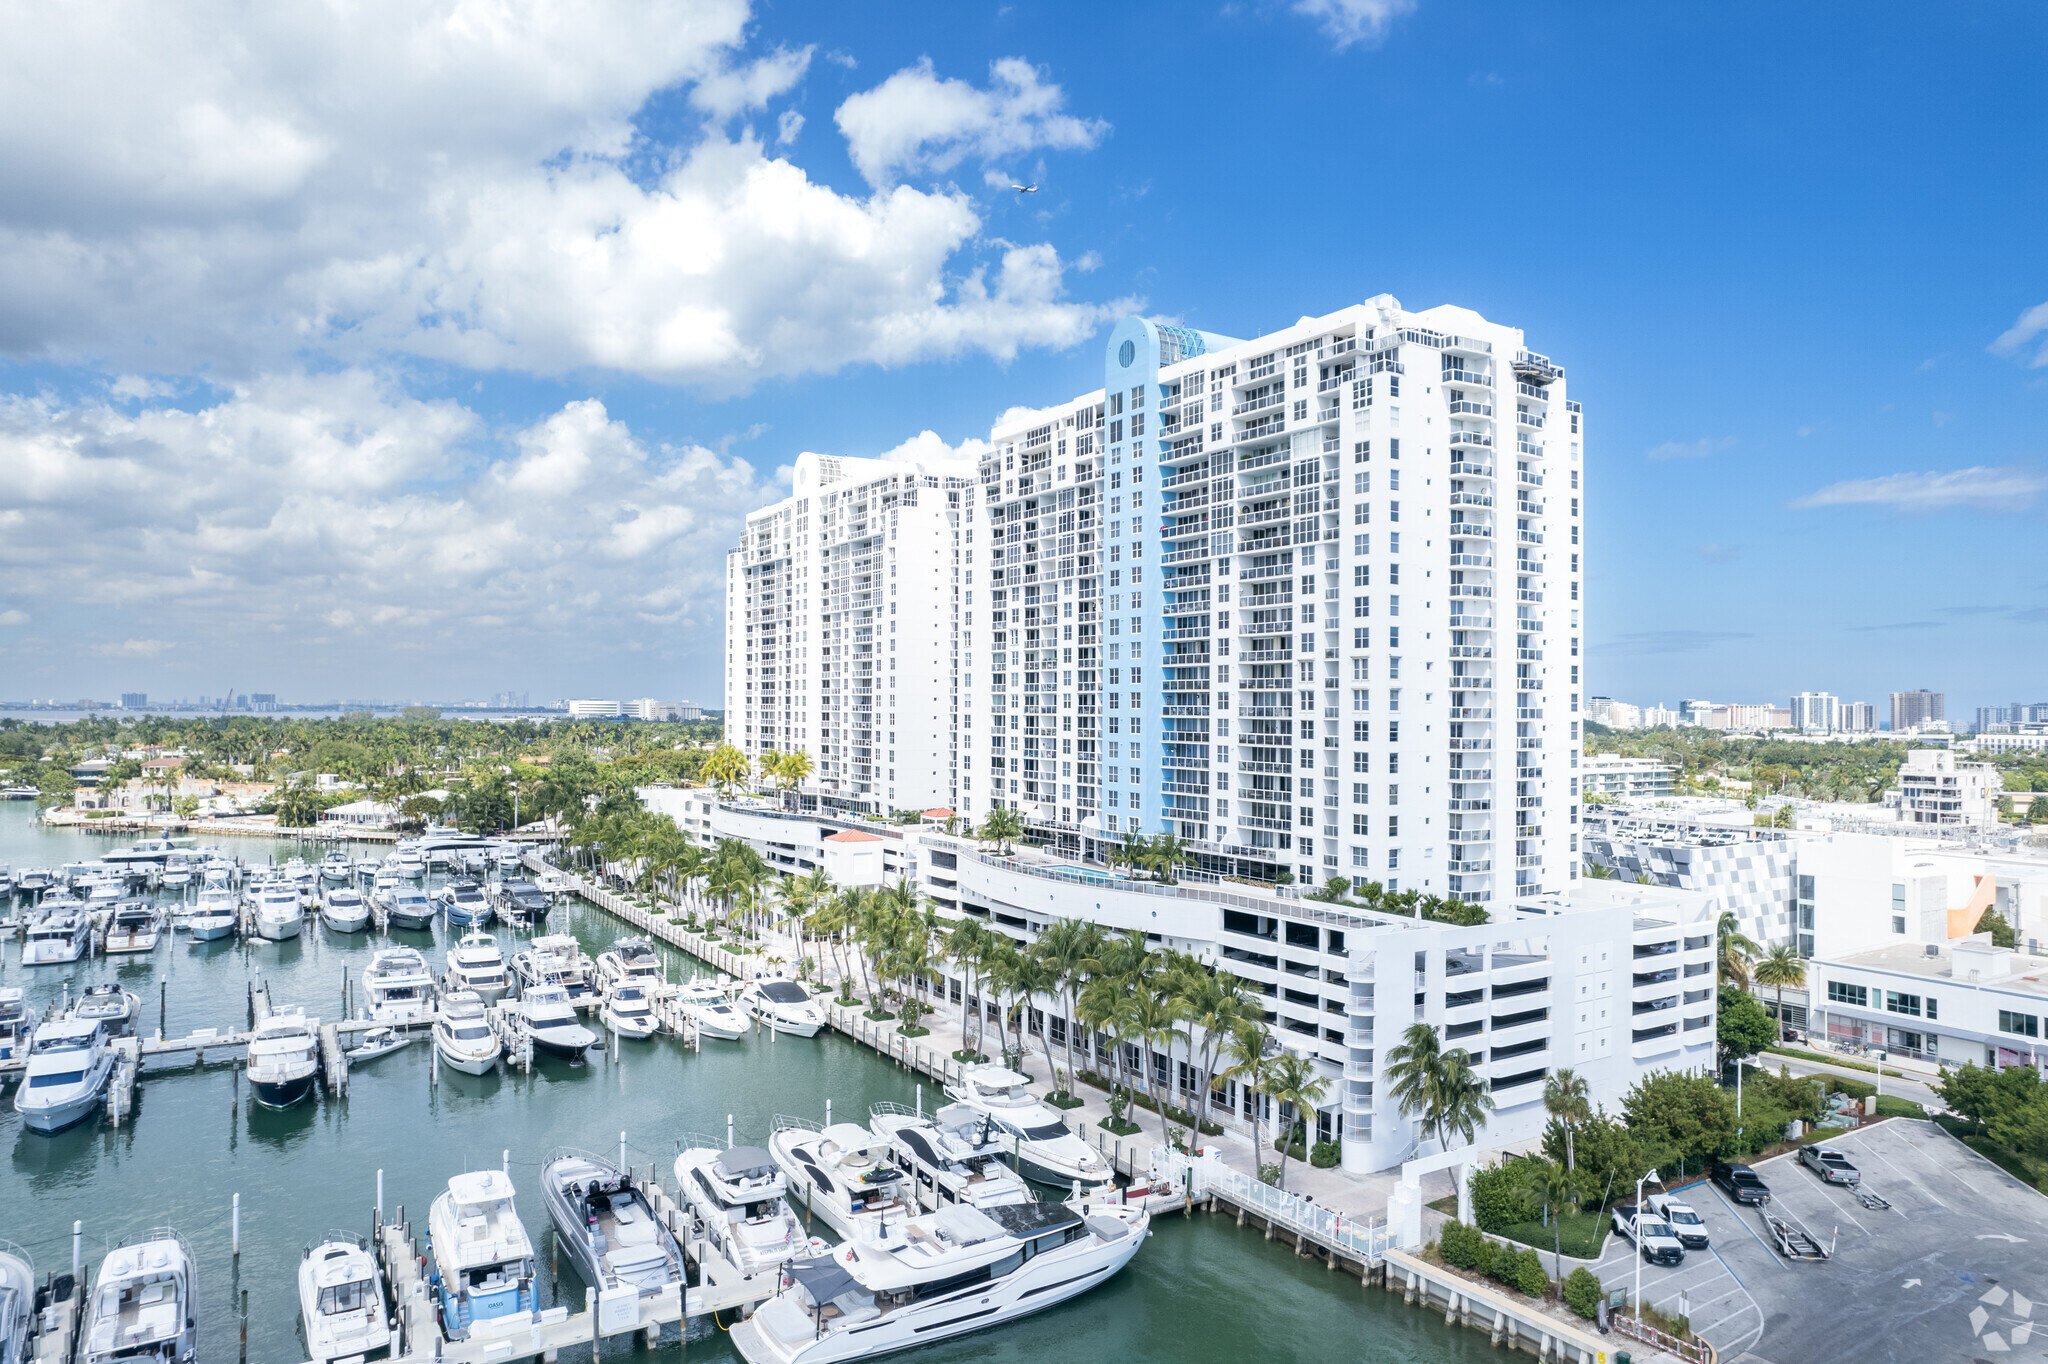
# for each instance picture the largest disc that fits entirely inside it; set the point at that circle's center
(1349, 23)
(13, 616)
(1983, 487)
(2026, 340)
(753, 84)
(1690, 449)
(918, 122)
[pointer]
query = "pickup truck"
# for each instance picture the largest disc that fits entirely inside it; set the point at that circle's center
(1688, 1226)
(1831, 1165)
(1740, 1182)
(1651, 1235)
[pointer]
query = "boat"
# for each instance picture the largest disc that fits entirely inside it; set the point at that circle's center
(34, 880)
(408, 862)
(144, 856)
(629, 961)
(344, 910)
(519, 901)
(18, 1020)
(145, 1304)
(943, 1274)
(1045, 1150)
(463, 904)
(553, 882)
(956, 1155)
(606, 1227)
(557, 959)
(629, 1011)
(57, 936)
(275, 913)
(335, 866)
(178, 870)
(844, 1175)
(17, 1303)
(69, 1064)
(738, 1194)
(341, 1300)
(483, 1262)
(284, 1056)
(477, 964)
(104, 886)
(115, 1009)
(214, 915)
(376, 1042)
(405, 906)
(551, 1021)
(463, 1034)
(366, 868)
(397, 987)
(707, 1005)
(782, 1005)
(137, 926)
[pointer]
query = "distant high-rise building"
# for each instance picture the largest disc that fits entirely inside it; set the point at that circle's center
(1605, 710)
(1911, 709)
(595, 710)
(134, 700)
(1858, 717)
(1816, 712)
(262, 700)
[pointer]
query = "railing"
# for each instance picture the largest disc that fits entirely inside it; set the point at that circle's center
(1366, 1239)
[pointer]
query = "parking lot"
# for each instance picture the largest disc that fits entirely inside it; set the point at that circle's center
(1953, 1270)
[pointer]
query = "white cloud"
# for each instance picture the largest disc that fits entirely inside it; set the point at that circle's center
(917, 122)
(138, 388)
(1690, 449)
(133, 648)
(13, 616)
(2026, 340)
(1352, 22)
(787, 126)
(1986, 488)
(753, 85)
(929, 447)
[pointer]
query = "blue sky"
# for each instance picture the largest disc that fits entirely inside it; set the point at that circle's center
(465, 386)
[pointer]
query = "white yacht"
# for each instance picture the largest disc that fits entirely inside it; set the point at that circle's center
(477, 964)
(783, 1005)
(344, 910)
(463, 1034)
(408, 861)
(956, 1155)
(341, 1301)
(464, 904)
(144, 1305)
(17, 1022)
(372, 1043)
(404, 906)
(845, 1176)
(284, 1056)
(397, 987)
(629, 961)
(738, 1194)
(558, 959)
(552, 1023)
(605, 1224)
(34, 880)
(710, 1008)
(483, 1261)
(214, 914)
(150, 852)
(335, 866)
(113, 1008)
(1045, 1150)
(629, 1011)
(942, 1274)
(178, 870)
(275, 913)
(60, 934)
(69, 1064)
(104, 886)
(137, 926)
(17, 1303)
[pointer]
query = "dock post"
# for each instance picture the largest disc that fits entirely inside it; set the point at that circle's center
(235, 1227)
(77, 1252)
(828, 1112)
(245, 1326)
(920, 1101)
(590, 1306)
(163, 994)
(622, 1150)
(505, 1162)
(728, 1131)
(380, 1195)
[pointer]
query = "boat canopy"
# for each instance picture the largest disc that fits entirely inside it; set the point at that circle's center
(744, 1162)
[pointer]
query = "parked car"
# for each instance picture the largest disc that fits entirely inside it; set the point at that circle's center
(1688, 1226)
(1739, 1182)
(1831, 1165)
(1651, 1235)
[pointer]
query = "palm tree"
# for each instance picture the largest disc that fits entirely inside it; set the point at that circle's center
(1781, 967)
(1218, 1008)
(1165, 853)
(1067, 948)
(1154, 1022)
(1132, 852)
(726, 768)
(792, 770)
(1558, 1187)
(1594, 871)
(1737, 949)
(967, 944)
(1001, 826)
(1294, 1083)
(1248, 1057)
(1565, 1098)
(1464, 1099)
(1415, 1072)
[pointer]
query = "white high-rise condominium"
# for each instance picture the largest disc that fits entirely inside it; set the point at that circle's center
(1309, 602)
(841, 634)
(1816, 712)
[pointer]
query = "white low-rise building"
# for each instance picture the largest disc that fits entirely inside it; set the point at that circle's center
(1936, 789)
(1950, 1002)
(1618, 778)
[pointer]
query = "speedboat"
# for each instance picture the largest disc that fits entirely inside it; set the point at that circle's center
(406, 906)
(284, 1056)
(612, 1236)
(104, 886)
(483, 1262)
(552, 1023)
(145, 1304)
(335, 866)
(17, 1023)
(408, 862)
(149, 853)
(376, 1042)
(629, 961)
(477, 964)
(629, 1011)
(366, 868)
(558, 959)
(956, 1155)
(463, 1034)
(707, 1005)
(1044, 1149)
(845, 1176)
(69, 1064)
(341, 1301)
(344, 910)
(214, 915)
(464, 905)
(276, 913)
(58, 936)
(783, 1005)
(520, 901)
(17, 1303)
(942, 1274)
(34, 880)
(738, 1194)
(178, 870)
(397, 987)
(137, 926)
(109, 1005)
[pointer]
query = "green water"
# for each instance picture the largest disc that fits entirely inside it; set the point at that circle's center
(1201, 1289)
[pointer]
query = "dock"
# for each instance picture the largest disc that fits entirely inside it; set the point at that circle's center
(60, 1312)
(333, 1061)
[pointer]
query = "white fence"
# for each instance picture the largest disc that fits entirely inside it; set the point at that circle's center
(1366, 1239)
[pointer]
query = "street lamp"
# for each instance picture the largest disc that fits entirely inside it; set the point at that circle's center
(1638, 1238)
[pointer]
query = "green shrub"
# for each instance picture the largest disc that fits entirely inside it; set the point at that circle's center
(1488, 1257)
(1324, 1155)
(1460, 1245)
(1582, 1292)
(1500, 1196)
(1529, 1277)
(1855, 1089)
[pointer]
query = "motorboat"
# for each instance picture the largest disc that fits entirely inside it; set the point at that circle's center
(463, 904)
(34, 880)
(483, 1262)
(783, 1006)
(178, 870)
(366, 868)
(553, 882)
(276, 914)
(506, 855)
(61, 934)
(18, 1020)
(552, 1023)
(956, 1155)
(284, 1056)
(115, 1009)
(463, 1034)
(405, 906)
(215, 913)
(707, 1005)
(629, 961)
(519, 901)
(335, 866)
(149, 853)
(606, 1227)
(440, 845)
(69, 1064)
(408, 862)
(344, 910)
(557, 958)
(104, 886)
(629, 1011)
(739, 1195)
(378, 1041)
(844, 1175)
(942, 1274)
(397, 987)
(1045, 1150)
(145, 1304)
(341, 1300)
(137, 926)
(477, 964)
(17, 1304)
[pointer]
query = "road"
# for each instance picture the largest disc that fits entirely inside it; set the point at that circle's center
(1909, 1087)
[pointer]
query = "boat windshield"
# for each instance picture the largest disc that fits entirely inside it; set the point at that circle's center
(346, 1297)
(62, 1077)
(785, 992)
(1052, 1131)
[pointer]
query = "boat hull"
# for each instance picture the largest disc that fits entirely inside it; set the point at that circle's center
(279, 930)
(412, 920)
(563, 1041)
(48, 1119)
(346, 923)
(209, 930)
(283, 1092)
(467, 1064)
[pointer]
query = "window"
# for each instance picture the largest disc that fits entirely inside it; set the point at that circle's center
(1840, 992)
(2024, 1025)
(1897, 1003)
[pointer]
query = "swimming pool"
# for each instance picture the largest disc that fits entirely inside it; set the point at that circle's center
(1074, 871)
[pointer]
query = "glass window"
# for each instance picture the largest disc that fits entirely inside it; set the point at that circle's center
(2024, 1025)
